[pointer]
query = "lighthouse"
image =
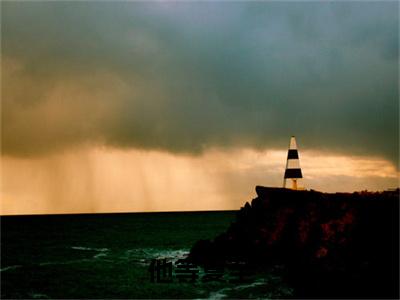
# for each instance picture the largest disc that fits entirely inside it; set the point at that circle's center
(293, 170)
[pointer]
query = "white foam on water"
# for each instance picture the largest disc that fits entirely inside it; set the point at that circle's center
(222, 293)
(102, 251)
(101, 254)
(10, 268)
(39, 296)
(90, 249)
(173, 255)
(68, 262)
(145, 255)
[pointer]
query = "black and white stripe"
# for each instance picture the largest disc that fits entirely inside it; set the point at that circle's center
(293, 170)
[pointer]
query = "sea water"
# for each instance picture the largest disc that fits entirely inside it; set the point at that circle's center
(109, 255)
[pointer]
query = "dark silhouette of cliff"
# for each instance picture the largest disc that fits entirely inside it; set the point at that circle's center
(342, 245)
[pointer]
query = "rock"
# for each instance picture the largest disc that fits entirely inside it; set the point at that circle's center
(332, 245)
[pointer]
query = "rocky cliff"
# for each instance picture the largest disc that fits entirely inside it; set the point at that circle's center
(338, 245)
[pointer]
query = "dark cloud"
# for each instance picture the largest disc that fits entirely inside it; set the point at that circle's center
(183, 77)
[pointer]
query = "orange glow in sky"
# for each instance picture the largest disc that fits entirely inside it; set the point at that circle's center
(108, 180)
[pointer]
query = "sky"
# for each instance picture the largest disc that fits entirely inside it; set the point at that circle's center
(170, 106)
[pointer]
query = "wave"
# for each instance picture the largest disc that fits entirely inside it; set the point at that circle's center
(101, 252)
(38, 296)
(68, 262)
(10, 268)
(145, 255)
(90, 249)
(223, 293)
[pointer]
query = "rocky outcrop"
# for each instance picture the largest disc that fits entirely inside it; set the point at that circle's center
(338, 245)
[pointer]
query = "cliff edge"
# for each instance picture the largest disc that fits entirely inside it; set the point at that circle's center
(341, 245)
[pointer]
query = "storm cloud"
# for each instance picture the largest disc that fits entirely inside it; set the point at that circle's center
(183, 77)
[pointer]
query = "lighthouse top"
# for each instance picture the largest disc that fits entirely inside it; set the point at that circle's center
(293, 145)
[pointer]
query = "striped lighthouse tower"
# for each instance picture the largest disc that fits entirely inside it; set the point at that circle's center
(293, 170)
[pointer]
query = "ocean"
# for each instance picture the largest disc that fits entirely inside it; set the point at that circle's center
(110, 256)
